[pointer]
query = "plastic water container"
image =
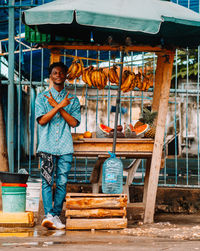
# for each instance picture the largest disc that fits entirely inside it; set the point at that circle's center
(112, 177)
(13, 197)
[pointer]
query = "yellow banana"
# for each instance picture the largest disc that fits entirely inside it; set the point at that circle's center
(93, 78)
(104, 79)
(80, 69)
(97, 79)
(138, 81)
(144, 83)
(132, 84)
(72, 73)
(112, 75)
(84, 75)
(146, 79)
(128, 83)
(70, 68)
(101, 79)
(88, 75)
(127, 80)
(125, 75)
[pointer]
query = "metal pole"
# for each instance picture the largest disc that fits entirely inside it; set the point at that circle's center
(10, 127)
(118, 102)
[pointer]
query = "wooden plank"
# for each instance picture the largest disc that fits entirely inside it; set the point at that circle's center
(159, 137)
(136, 148)
(107, 202)
(102, 154)
(96, 213)
(107, 146)
(70, 195)
(75, 224)
(120, 140)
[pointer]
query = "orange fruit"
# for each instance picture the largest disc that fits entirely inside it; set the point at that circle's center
(80, 136)
(87, 134)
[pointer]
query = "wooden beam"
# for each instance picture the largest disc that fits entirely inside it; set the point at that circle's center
(141, 48)
(167, 66)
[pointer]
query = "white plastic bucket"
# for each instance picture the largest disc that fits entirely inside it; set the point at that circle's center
(32, 196)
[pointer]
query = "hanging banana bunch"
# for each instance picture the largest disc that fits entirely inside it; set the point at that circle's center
(99, 78)
(75, 70)
(113, 75)
(138, 80)
(151, 78)
(104, 78)
(129, 83)
(125, 74)
(94, 77)
(86, 77)
(145, 83)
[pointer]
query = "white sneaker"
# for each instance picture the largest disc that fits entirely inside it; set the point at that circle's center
(57, 222)
(48, 222)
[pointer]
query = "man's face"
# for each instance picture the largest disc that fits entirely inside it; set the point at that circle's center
(58, 75)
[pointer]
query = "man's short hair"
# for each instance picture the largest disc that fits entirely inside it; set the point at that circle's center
(58, 64)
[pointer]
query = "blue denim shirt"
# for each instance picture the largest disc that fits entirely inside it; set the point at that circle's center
(55, 137)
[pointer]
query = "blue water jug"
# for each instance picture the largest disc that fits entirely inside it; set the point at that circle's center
(112, 178)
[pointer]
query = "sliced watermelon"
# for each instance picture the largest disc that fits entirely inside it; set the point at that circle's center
(132, 127)
(140, 129)
(104, 128)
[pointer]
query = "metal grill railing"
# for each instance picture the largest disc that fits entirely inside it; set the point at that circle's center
(181, 146)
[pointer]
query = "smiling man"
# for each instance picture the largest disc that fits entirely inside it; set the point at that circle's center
(56, 112)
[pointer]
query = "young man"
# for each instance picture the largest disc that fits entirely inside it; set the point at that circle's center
(56, 112)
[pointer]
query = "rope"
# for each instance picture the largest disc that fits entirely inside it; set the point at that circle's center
(100, 60)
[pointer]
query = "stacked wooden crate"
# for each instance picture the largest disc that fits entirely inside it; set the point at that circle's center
(96, 211)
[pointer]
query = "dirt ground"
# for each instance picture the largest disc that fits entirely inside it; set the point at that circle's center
(169, 232)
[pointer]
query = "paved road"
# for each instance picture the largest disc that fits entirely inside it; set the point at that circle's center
(174, 232)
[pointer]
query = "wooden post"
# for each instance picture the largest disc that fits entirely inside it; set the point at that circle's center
(165, 80)
(3, 145)
(158, 82)
(55, 56)
(146, 180)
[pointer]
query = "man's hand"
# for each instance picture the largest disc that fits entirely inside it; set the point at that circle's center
(65, 101)
(57, 107)
(51, 100)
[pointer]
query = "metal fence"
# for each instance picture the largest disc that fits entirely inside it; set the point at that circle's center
(28, 67)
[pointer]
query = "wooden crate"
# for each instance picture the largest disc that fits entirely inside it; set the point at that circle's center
(96, 211)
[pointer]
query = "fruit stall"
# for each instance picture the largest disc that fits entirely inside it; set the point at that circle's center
(135, 30)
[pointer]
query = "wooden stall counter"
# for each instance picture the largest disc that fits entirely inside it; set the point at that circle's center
(135, 148)
(125, 147)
